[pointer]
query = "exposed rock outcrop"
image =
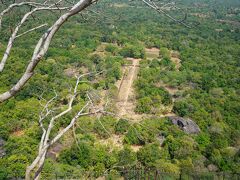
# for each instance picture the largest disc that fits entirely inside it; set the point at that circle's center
(186, 124)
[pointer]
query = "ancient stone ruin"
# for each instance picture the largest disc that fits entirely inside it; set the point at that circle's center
(186, 124)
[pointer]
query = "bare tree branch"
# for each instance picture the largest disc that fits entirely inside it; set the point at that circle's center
(42, 47)
(30, 30)
(43, 44)
(33, 4)
(14, 34)
(161, 10)
(46, 142)
(47, 117)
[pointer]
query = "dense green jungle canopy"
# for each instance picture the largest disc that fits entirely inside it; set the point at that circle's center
(207, 83)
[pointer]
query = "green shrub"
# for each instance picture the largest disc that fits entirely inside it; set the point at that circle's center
(122, 126)
(104, 126)
(132, 51)
(149, 154)
(112, 49)
(126, 157)
(133, 136)
(164, 52)
(96, 59)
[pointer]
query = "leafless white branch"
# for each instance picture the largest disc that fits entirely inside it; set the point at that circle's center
(32, 4)
(46, 142)
(42, 47)
(14, 34)
(43, 44)
(161, 10)
(30, 30)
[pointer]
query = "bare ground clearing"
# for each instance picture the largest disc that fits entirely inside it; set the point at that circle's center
(113, 141)
(175, 58)
(152, 53)
(126, 105)
(18, 133)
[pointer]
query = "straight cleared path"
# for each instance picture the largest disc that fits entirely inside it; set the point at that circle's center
(126, 86)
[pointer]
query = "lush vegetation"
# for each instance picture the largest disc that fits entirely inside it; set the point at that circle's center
(207, 83)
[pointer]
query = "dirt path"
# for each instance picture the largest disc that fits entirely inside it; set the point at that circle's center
(126, 96)
(126, 107)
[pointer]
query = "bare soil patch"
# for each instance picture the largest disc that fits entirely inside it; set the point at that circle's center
(200, 15)
(71, 72)
(113, 141)
(18, 133)
(152, 53)
(136, 148)
(236, 23)
(126, 90)
(120, 5)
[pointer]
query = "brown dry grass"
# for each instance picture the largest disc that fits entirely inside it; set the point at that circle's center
(113, 141)
(120, 5)
(18, 133)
